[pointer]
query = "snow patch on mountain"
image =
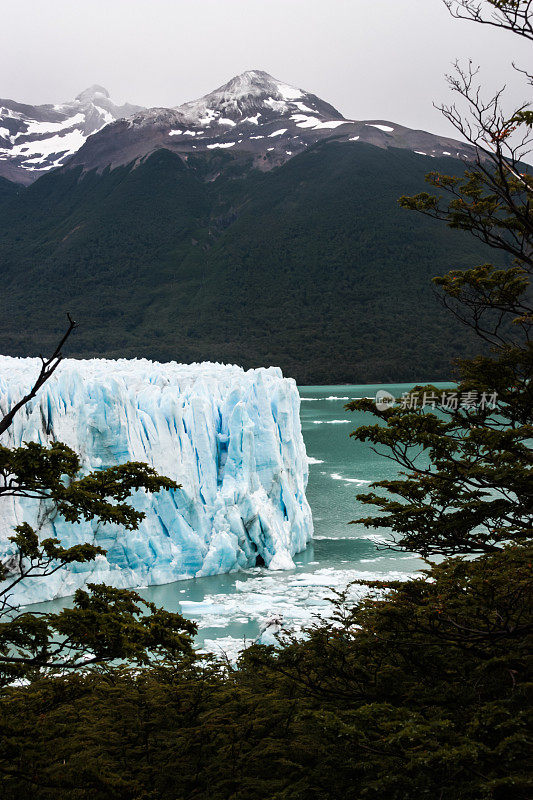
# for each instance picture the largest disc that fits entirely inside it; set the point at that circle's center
(384, 128)
(333, 123)
(216, 145)
(48, 152)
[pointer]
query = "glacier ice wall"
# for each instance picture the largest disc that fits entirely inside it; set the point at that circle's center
(231, 438)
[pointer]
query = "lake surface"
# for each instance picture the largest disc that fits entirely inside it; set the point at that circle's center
(230, 609)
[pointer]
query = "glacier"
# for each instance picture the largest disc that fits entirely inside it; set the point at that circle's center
(231, 438)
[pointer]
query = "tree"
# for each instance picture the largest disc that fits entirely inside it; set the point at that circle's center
(511, 15)
(468, 486)
(105, 624)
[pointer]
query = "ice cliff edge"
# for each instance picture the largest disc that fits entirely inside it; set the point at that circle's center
(231, 438)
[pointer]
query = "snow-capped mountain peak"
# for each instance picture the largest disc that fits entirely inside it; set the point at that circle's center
(249, 87)
(35, 139)
(93, 94)
(251, 93)
(256, 83)
(254, 114)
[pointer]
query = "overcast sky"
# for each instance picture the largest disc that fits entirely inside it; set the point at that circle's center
(370, 58)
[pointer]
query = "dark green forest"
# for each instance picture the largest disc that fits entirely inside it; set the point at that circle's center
(8, 190)
(313, 267)
(422, 696)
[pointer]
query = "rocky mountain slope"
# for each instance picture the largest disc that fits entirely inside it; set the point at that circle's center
(253, 114)
(36, 139)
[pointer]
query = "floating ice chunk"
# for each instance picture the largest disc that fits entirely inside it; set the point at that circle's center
(282, 560)
(270, 630)
(291, 600)
(358, 481)
(331, 421)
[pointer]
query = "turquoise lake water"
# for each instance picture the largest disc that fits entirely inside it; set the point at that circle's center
(230, 609)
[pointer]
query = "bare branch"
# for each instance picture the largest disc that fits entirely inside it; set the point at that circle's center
(510, 15)
(49, 365)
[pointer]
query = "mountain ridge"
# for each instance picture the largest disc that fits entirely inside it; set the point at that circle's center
(35, 139)
(253, 114)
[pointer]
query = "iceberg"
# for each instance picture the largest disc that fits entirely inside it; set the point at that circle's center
(231, 438)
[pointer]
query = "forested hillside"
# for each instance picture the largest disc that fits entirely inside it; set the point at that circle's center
(313, 266)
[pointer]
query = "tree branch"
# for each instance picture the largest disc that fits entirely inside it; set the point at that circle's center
(49, 365)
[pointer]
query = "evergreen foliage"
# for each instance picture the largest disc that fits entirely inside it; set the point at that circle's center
(424, 694)
(8, 190)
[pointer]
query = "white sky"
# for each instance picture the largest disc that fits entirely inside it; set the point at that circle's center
(370, 58)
